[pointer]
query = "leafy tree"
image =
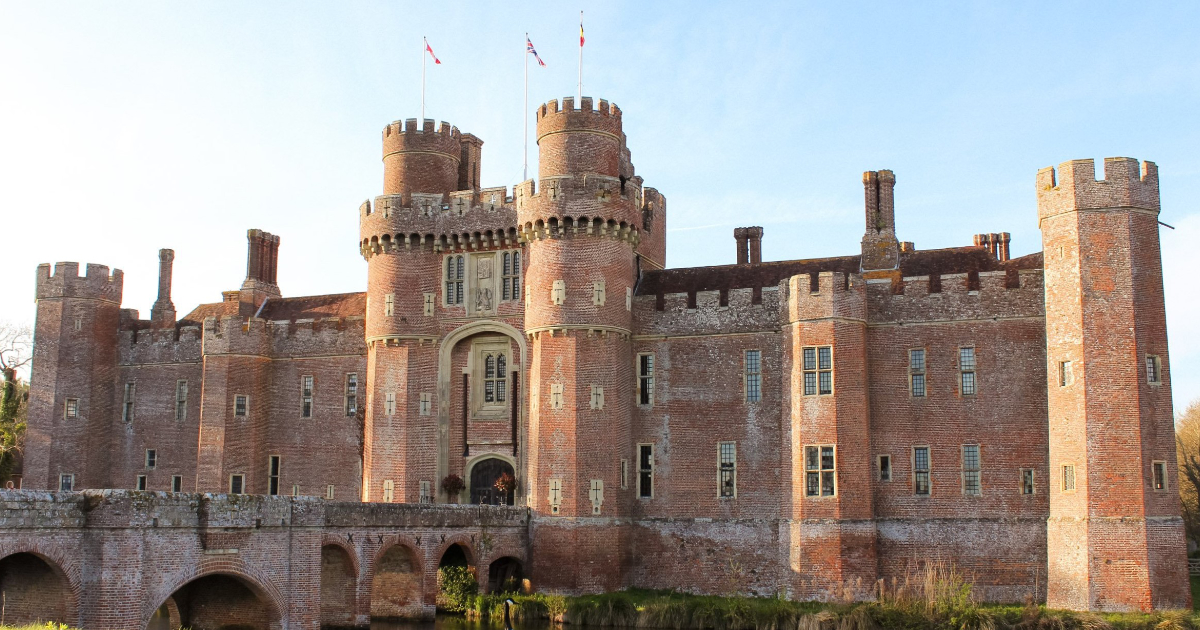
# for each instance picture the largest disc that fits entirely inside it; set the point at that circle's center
(1187, 445)
(16, 351)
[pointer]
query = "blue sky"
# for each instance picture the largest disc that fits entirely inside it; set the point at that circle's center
(129, 127)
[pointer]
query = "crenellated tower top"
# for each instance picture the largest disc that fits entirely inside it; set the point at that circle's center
(1074, 186)
(577, 141)
(96, 284)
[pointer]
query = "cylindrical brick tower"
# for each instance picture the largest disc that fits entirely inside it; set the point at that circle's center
(581, 226)
(421, 160)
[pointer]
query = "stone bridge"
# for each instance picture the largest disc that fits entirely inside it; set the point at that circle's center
(125, 559)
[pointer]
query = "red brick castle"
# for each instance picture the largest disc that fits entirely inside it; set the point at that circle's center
(806, 426)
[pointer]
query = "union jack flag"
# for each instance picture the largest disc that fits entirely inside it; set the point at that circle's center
(529, 49)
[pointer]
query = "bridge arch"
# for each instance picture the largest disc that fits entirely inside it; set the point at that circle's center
(339, 586)
(221, 586)
(37, 586)
(397, 580)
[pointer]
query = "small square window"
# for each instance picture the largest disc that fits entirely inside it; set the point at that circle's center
(66, 482)
(329, 492)
(241, 405)
(1066, 374)
(820, 470)
(151, 458)
(818, 370)
(71, 410)
(1153, 370)
(1027, 486)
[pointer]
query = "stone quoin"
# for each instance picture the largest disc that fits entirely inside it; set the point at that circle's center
(803, 426)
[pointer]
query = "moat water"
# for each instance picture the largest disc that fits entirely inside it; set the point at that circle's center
(456, 623)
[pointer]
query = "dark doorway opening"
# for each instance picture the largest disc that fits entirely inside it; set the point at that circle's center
(483, 482)
(505, 576)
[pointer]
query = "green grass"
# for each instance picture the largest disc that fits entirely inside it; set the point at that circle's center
(1195, 592)
(49, 625)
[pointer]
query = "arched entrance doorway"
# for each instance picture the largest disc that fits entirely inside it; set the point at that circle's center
(505, 575)
(484, 474)
(396, 586)
(221, 602)
(34, 590)
(338, 583)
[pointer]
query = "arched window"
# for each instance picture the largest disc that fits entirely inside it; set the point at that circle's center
(511, 278)
(455, 271)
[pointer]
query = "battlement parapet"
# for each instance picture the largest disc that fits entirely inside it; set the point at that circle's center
(584, 140)
(96, 284)
(460, 211)
(579, 199)
(160, 345)
(725, 311)
(408, 137)
(825, 295)
(607, 116)
(285, 338)
(1073, 186)
(1003, 294)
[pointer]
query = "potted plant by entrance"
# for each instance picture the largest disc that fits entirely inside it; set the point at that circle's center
(506, 484)
(452, 485)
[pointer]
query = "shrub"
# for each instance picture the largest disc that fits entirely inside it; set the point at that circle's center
(456, 588)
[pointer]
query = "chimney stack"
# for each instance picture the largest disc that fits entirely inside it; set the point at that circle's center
(995, 244)
(262, 264)
(743, 245)
(755, 234)
(162, 314)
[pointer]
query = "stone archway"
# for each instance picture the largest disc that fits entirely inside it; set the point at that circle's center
(505, 575)
(34, 589)
(482, 474)
(396, 586)
(339, 582)
(221, 600)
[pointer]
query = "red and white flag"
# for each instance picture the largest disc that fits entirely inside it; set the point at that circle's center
(529, 49)
(430, 51)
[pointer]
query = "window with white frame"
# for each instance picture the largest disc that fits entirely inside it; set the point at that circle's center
(884, 463)
(645, 471)
(971, 485)
(727, 470)
(151, 458)
(645, 378)
(920, 463)
(495, 375)
(510, 276)
(1027, 485)
(295, 489)
(966, 371)
(71, 409)
(141, 482)
(1068, 477)
(916, 372)
(273, 475)
(624, 474)
(1066, 374)
(388, 490)
(426, 495)
(389, 404)
(1159, 475)
(237, 484)
(176, 483)
(389, 304)
(241, 405)
(455, 273)
(351, 394)
(66, 482)
(556, 396)
(753, 375)
(306, 396)
(181, 392)
(818, 370)
(597, 401)
(1153, 370)
(596, 495)
(820, 470)
(629, 298)
(127, 404)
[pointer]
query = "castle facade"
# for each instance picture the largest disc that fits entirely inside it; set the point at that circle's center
(805, 427)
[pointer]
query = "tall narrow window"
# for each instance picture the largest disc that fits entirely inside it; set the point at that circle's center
(389, 404)
(511, 277)
(916, 372)
(66, 482)
(597, 397)
(425, 404)
(426, 493)
(596, 495)
(176, 483)
(1027, 481)
(273, 475)
(428, 305)
(556, 395)
(329, 492)
(237, 484)
(624, 474)
(141, 482)
(180, 400)
(295, 490)
(885, 467)
(820, 470)
(558, 292)
(495, 377)
(555, 494)
(753, 377)
(127, 406)
(818, 370)
(306, 396)
(645, 379)
(921, 470)
(389, 304)
(1068, 477)
(455, 271)
(645, 471)
(1153, 370)
(970, 470)
(71, 410)
(966, 367)
(727, 470)
(241, 405)
(351, 394)
(1159, 475)
(151, 458)
(389, 489)
(1066, 374)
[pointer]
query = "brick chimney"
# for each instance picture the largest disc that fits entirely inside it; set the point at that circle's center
(262, 264)
(743, 246)
(162, 314)
(749, 245)
(995, 244)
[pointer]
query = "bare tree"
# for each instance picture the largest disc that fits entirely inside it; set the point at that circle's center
(1187, 446)
(16, 352)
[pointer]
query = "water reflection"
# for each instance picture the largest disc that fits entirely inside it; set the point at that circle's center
(456, 623)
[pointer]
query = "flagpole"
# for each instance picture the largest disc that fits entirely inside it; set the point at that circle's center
(424, 45)
(525, 114)
(579, 101)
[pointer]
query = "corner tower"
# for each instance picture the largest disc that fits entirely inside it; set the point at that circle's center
(582, 228)
(1115, 539)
